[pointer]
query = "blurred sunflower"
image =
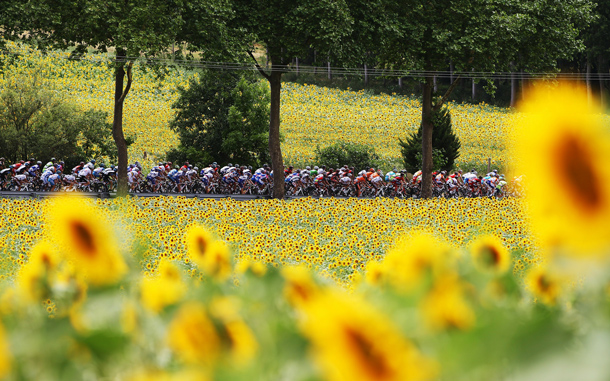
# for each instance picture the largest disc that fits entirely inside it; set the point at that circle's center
(415, 258)
(446, 307)
(544, 285)
(351, 341)
(198, 240)
(192, 336)
(88, 239)
(489, 254)
(562, 147)
(165, 289)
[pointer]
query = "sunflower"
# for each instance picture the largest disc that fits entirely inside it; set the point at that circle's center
(88, 240)
(414, 258)
(562, 147)
(35, 277)
(238, 338)
(300, 288)
(445, 305)
(544, 285)
(192, 335)
(198, 240)
(165, 289)
(351, 341)
(489, 254)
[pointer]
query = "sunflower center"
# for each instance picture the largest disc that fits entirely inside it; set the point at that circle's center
(580, 176)
(83, 238)
(543, 283)
(373, 361)
(491, 256)
(201, 245)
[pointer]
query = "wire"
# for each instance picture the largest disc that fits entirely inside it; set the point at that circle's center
(317, 70)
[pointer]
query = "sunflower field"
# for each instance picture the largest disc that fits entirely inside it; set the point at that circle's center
(311, 116)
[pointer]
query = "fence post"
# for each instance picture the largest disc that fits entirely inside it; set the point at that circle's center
(488, 164)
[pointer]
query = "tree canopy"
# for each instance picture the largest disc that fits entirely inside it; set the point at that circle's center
(223, 116)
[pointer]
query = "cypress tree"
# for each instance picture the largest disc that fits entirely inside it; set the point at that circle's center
(444, 143)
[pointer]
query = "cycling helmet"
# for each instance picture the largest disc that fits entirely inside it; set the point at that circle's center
(112, 167)
(361, 173)
(196, 169)
(176, 167)
(53, 159)
(39, 163)
(27, 164)
(102, 165)
(229, 165)
(308, 168)
(92, 161)
(315, 168)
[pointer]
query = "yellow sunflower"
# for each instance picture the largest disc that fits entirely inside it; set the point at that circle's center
(88, 240)
(562, 148)
(192, 335)
(165, 289)
(445, 306)
(544, 285)
(490, 255)
(352, 341)
(414, 258)
(198, 240)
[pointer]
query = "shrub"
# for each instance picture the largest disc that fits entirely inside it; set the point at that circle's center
(359, 156)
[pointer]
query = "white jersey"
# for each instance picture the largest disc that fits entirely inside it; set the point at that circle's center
(85, 172)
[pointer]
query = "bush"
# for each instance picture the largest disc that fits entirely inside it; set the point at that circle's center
(445, 144)
(359, 156)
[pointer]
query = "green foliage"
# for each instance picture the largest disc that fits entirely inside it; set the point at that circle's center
(223, 117)
(359, 156)
(445, 144)
(35, 123)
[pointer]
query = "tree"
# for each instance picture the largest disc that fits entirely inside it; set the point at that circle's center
(34, 123)
(288, 29)
(445, 144)
(223, 117)
(480, 35)
(132, 29)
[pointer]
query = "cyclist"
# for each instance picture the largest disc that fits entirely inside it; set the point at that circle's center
(46, 174)
(85, 175)
(55, 181)
(50, 164)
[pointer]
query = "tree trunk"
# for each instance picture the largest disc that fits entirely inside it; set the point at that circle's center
(600, 64)
(435, 85)
(277, 163)
(588, 79)
(117, 126)
(474, 89)
(451, 68)
(427, 128)
(513, 86)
